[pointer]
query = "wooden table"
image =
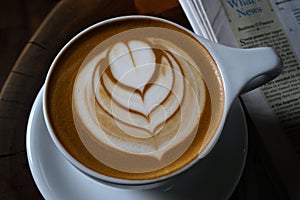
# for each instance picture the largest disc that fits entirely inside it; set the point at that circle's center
(27, 76)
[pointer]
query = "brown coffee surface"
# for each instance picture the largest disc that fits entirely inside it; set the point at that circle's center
(60, 100)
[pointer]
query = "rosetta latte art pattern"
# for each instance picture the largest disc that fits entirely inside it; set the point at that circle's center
(129, 96)
(145, 90)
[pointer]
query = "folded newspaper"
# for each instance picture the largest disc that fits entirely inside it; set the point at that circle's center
(275, 107)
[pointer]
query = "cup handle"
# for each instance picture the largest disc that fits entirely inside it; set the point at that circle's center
(245, 69)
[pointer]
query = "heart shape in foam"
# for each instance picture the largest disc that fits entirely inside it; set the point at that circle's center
(151, 98)
(132, 64)
(170, 83)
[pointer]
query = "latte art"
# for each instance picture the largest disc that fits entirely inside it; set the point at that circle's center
(143, 93)
(139, 98)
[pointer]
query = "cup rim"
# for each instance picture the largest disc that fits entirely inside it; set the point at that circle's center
(105, 178)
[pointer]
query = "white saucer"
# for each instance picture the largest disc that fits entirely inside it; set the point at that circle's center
(215, 177)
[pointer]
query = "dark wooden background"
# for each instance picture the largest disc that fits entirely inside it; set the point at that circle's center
(19, 19)
(31, 34)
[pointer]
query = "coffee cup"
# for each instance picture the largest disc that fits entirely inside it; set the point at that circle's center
(135, 101)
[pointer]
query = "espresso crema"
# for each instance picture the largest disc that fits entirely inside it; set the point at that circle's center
(133, 102)
(128, 90)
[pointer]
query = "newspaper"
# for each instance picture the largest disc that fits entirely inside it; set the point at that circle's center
(274, 108)
(253, 23)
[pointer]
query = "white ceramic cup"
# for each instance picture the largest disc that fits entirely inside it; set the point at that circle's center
(241, 71)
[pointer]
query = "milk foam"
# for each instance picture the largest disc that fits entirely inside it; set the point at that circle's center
(126, 95)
